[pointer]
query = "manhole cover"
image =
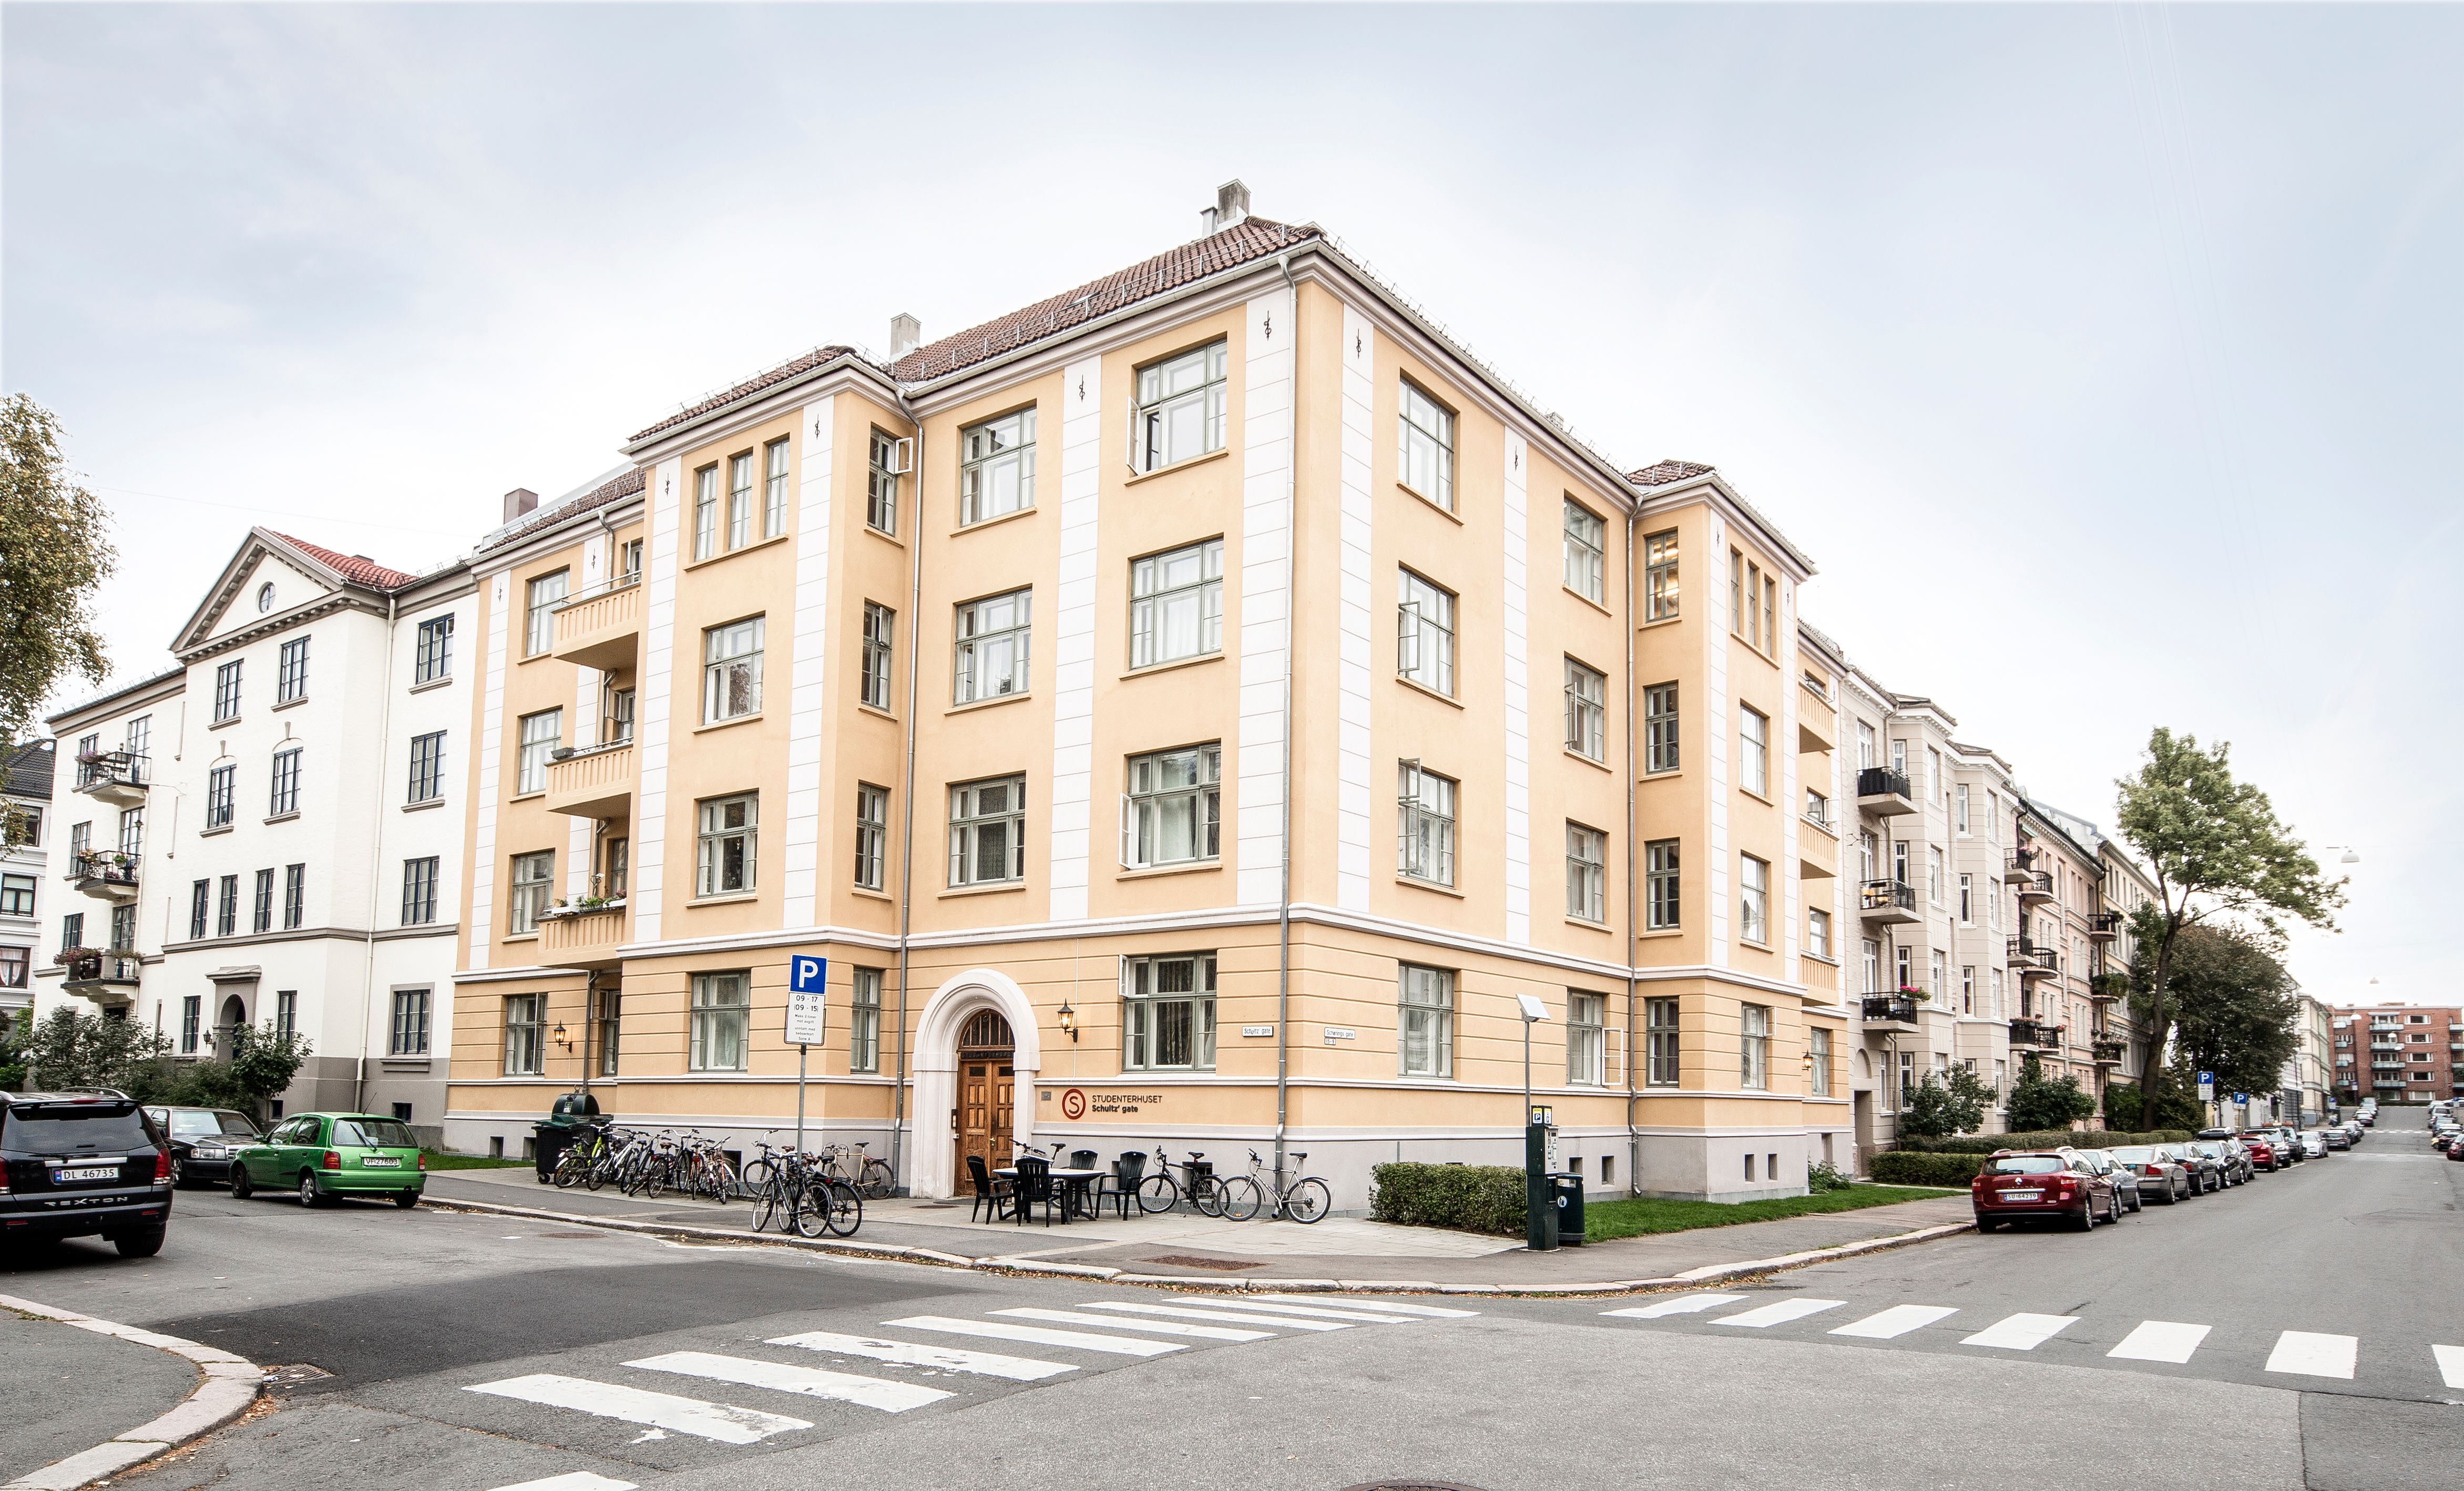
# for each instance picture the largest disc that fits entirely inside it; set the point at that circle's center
(1184, 1261)
(279, 1378)
(1411, 1486)
(582, 1235)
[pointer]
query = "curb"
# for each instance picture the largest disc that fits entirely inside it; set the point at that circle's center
(1034, 1268)
(228, 1385)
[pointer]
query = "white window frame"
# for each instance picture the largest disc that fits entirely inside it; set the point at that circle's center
(992, 655)
(1586, 552)
(1587, 710)
(1753, 750)
(1664, 886)
(1587, 873)
(774, 487)
(541, 597)
(1176, 408)
(1819, 1045)
(740, 500)
(727, 844)
(871, 835)
(1425, 458)
(968, 821)
(1176, 605)
(1753, 1048)
(1424, 639)
(997, 468)
(1661, 751)
(882, 473)
(1817, 932)
(731, 670)
(1146, 1006)
(538, 737)
(721, 1023)
(1753, 899)
(525, 1035)
(1587, 1039)
(706, 511)
(530, 883)
(1425, 1027)
(879, 648)
(1425, 818)
(1175, 795)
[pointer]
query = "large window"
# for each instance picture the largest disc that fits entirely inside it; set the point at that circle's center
(988, 831)
(863, 1021)
(874, 663)
(226, 908)
(1818, 1039)
(1587, 710)
(409, 1023)
(1660, 576)
(1660, 1048)
(192, 1018)
(227, 690)
(261, 917)
(1425, 639)
(427, 767)
(433, 657)
(1586, 559)
(1660, 885)
(881, 483)
(1425, 1026)
(1587, 873)
(1168, 1013)
(1753, 750)
(1176, 605)
(419, 890)
(1425, 815)
(525, 1033)
(1180, 411)
(705, 511)
(992, 646)
(291, 671)
(1660, 728)
(1427, 464)
(997, 468)
(1754, 603)
(15, 967)
(1753, 1048)
(1933, 873)
(731, 671)
(725, 852)
(1172, 811)
(740, 500)
(540, 735)
(295, 895)
(1753, 899)
(774, 488)
(1817, 932)
(1587, 1040)
(538, 617)
(201, 900)
(16, 895)
(531, 880)
(285, 794)
(722, 1006)
(871, 834)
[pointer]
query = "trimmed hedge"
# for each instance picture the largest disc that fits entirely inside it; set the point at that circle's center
(1471, 1197)
(2045, 1139)
(1917, 1168)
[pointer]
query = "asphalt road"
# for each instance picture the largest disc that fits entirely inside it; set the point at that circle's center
(471, 1353)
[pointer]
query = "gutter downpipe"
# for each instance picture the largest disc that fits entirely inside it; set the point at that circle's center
(907, 830)
(376, 858)
(1632, 1133)
(1284, 915)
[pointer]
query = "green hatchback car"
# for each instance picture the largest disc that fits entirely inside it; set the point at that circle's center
(324, 1156)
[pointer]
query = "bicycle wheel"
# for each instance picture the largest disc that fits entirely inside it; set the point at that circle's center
(1158, 1193)
(1308, 1200)
(602, 1166)
(765, 1208)
(843, 1212)
(878, 1179)
(1237, 1199)
(569, 1168)
(1206, 1196)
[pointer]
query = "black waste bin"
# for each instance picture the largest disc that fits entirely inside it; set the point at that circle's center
(1566, 1191)
(548, 1143)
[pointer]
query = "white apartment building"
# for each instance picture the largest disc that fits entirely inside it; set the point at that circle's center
(272, 829)
(25, 815)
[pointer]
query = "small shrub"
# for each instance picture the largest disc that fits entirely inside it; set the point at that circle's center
(1920, 1168)
(1823, 1175)
(1470, 1197)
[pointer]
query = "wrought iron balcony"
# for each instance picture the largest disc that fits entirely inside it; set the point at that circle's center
(2022, 867)
(2109, 986)
(2037, 887)
(106, 874)
(2108, 1053)
(1890, 1009)
(1890, 902)
(2035, 1033)
(1884, 792)
(118, 778)
(2105, 925)
(2029, 960)
(108, 975)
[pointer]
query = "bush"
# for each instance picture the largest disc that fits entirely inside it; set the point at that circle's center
(1920, 1168)
(1471, 1197)
(2041, 1139)
(2040, 1103)
(1823, 1175)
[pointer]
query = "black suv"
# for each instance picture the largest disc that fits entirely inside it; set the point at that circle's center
(80, 1162)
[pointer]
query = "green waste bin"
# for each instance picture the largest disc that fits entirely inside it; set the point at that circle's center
(1566, 1192)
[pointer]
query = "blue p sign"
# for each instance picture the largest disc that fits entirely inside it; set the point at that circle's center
(807, 975)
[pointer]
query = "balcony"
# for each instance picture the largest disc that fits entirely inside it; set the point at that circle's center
(2105, 925)
(2030, 961)
(2022, 868)
(1888, 903)
(118, 778)
(2035, 890)
(2109, 986)
(2107, 1053)
(105, 874)
(1884, 792)
(602, 627)
(106, 975)
(594, 782)
(2035, 1033)
(582, 938)
(1896, 1010)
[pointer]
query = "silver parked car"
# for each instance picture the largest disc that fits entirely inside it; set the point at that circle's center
(2162, 1174)
(2126, 1180)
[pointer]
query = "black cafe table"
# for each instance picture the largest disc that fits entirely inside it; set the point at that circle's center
(1077, 1188)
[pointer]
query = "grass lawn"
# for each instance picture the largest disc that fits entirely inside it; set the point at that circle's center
(438, 1159)
(1603, 1220)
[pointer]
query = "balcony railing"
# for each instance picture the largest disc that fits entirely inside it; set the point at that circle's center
(2104, 925)
(2107, 1053)
(113, 773)
(2034, 1032)
(1891, 1008)
(2037, 886)
(1883, 782)
(110, 873)
(594, 782)
(582, 938)
(89, 969)
(600, 626)
(1884, 897)
(2109, 986)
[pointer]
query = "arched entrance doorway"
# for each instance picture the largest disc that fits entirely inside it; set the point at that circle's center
(946, 1032)
(234, 1015)
(988, 1091)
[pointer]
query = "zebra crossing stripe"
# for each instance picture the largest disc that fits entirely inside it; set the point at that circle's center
(1276, 1321)
(1161, 1327)
(573, 1480)
(1389, 1307)
(2450, 1364)
(1003, 1331)
(890, 1397)
(657, 1409)
(1897, 1321)
(2160, 1340)
(1313, 1313)
(1779, 1313)
(2309, 1354)
(1690, 1305)
(941, 1358)
(2021, 1332)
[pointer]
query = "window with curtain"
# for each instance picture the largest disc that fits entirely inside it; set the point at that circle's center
(1176, 605)
(1172, 812)
(725, 850)
(730, 671)
(1168, 1013)
(988, 831)
(722, 1010)
(993, 646)
(1754, 1047)
(1426, 1022)
(997, 468)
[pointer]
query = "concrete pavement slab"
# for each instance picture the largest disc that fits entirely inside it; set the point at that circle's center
(90, 1388)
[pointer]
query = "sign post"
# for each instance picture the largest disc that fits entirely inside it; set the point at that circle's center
(807, 1017)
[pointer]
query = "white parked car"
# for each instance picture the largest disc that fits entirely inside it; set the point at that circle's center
(2313, 1144)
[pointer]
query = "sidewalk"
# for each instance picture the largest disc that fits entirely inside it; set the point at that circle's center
(82, 1387)
(1181, 1245)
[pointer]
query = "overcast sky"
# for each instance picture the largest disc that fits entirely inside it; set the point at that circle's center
(2104, 358)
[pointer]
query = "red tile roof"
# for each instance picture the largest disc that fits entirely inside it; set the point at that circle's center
(357, 568)
(618, 488)
(817, 358)
(1661, 473)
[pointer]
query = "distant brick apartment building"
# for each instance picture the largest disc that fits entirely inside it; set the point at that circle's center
(2399, 1053)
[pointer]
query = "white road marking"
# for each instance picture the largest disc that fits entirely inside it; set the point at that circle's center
(1161, 1327)
(1236, 1318)
(1779, 1312)
(1689, 1304)
(1897, 1321)
(1002, 1330)
(1388, 1305)
(944, 1358)
(2311, 1355)
(890, 1397)
(2021, 1332)
(573, 1480)
(1313, 1313)
(2160, 1340)
(2450, 1364)
(659, 1410)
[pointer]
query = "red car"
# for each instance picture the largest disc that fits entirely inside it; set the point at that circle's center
(2262, 1149)
(2042, 1185)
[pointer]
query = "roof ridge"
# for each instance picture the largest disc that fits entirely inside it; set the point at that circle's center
(357, 568)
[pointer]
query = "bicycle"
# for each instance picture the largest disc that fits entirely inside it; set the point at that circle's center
(1306, 1200)
(1158, 1191)
(853, 1164)
(793, 1189)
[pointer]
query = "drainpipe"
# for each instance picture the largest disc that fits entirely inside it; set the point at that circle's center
(1284, 914)
(376, 859)
(907, 830)
(1632, 1133)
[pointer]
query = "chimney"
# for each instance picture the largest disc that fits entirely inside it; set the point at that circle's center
(906, 335)
(1231, 204)
(518, 503)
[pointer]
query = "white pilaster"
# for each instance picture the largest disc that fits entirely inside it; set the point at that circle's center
(1719, 875)
(653, 707)
(493, 630)
(808, 666)
(1073, 637)
(1265, 594)
(1790, 871)
(1353, 857)
(1517, 539)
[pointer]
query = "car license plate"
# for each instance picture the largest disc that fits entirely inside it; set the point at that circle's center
(2022, 1196)
(382, 1162)
(86, 1173)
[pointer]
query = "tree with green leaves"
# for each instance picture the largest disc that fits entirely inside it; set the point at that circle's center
(2039, 1103)
(2235, 1008)
(1937, 1109)
(84, 1048)
(54, 555)
(2219, 856)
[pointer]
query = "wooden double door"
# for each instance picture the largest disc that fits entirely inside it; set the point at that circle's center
(987, 1093)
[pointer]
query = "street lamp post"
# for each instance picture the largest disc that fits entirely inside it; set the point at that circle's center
(1539, 1207)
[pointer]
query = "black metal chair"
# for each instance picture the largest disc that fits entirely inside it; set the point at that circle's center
(1127, 1172)
(1033, 1188)
(1081, 1159)
(992, 1193)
